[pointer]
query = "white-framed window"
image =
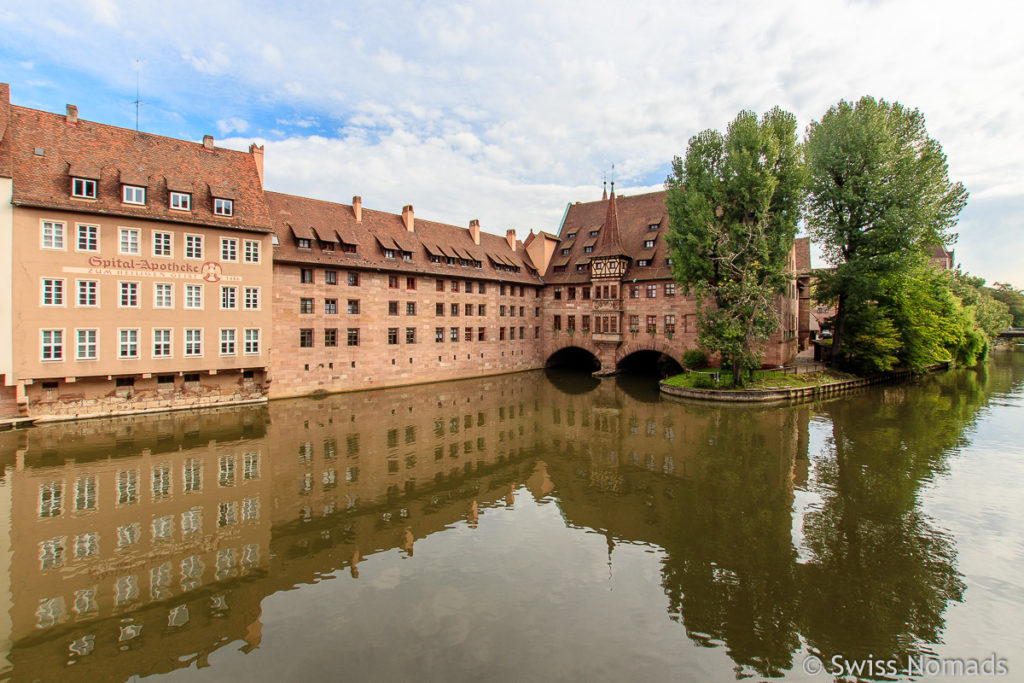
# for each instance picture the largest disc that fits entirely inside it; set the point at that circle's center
(162, 343)
(252, 298)
(52, 235)
(128, 343)
(87, 545)
(192, 480)
(252, 341)
(194, 297)
(228, 249)
(86, 347)
(252, 251)
(223, 207)
(133, 194)
(194, 341)
(52, 345)
(83, 187)
(163, 295)
(194, 246)
(85, 493)
(129, 295)
(128, 241)
(88, 293)
(228, 298)
(53, 291)
(648, 244)
(88, 237)
(163, 244)
(161, 477)
(181, 201)
(227, 342)
(127, 487)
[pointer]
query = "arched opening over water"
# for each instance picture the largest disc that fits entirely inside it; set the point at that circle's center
(573, 358)
(651, 363)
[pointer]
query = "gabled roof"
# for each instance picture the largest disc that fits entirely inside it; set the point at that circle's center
(631, 220)
(114, 156)
(379, 230)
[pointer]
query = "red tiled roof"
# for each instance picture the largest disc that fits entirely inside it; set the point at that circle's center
(379, 229)
(113, 156)
(633, 215)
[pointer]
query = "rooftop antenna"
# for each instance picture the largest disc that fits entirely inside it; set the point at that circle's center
(138, 99)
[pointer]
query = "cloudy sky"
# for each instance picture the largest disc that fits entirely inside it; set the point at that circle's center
(506, 111)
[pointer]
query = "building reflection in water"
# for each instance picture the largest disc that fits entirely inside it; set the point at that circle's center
(140, 545)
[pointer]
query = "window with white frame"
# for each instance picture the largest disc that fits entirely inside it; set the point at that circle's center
(223, 207)
(51, 497)
(252, 298)
(87, 545)
(194, 341)
(251, 466)
(85, 344)
(182, 201)
(129, 295)
(229, 298)
(162, 244)
(127, 487)
(133, 194)
(648, 244)
(192, 477)
(52, 235)
(162, 343)
(88, 292)
(53, 291)
(161, 481)
(227, 342)
(83, 187)
(228, 249)
(51, 553)
(128, 242)
(85, 493)
(194, 246)
(252, 251)
(52, 345)
(88, 237)
(128, 343)
(252, 341)
(163, 295)
(193, 297)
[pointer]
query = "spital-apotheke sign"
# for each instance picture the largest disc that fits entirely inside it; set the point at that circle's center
(210, 271)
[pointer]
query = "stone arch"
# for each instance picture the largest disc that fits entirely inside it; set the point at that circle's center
(574, 356)
(648, 356)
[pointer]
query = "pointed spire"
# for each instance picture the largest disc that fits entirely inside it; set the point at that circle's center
(604, 191)
(609, 243)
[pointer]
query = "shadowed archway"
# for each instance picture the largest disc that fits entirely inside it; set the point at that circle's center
(649, 362)
(573, 358)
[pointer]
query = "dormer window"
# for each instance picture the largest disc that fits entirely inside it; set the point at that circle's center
(434, 258)
(327, 246)
(565, 252)
(348, 248)
(389, 253)
(643, 263)
(223, 207)
(593, 233)
(83, 187)
(571, 236)
(653, 226)
(304, 242)
(133, 194)
(181, 201)
(588, 249)
(648, 244)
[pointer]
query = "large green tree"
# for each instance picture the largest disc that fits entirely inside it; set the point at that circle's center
(733, 204)
(879, 196)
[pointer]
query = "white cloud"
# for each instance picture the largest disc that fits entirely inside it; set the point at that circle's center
(232, 125)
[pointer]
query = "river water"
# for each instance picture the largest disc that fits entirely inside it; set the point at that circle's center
(536, 526)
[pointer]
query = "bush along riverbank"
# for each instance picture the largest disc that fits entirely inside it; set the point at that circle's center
(776, 385)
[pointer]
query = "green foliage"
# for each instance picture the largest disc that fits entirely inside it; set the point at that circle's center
(733, 204)
(875, 340)
(1014, 300)
(695, 359)
(879, 197)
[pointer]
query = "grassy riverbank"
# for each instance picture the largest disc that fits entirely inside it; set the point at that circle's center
(763, 379)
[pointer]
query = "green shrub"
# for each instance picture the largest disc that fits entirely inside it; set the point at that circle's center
(694, 359)
(704, 381)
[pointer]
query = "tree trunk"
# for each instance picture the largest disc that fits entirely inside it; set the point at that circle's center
(838, 333)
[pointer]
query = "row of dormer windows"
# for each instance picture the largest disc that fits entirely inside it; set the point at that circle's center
(86, 188)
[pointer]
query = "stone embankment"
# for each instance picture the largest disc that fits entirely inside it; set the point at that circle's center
(792, 394)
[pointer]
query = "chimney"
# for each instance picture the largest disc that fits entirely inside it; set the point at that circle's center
(257, 156)
(208, 141)
(407, 218)
(474, 231)
(357, 208)
(510, 237)
(72, 115)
